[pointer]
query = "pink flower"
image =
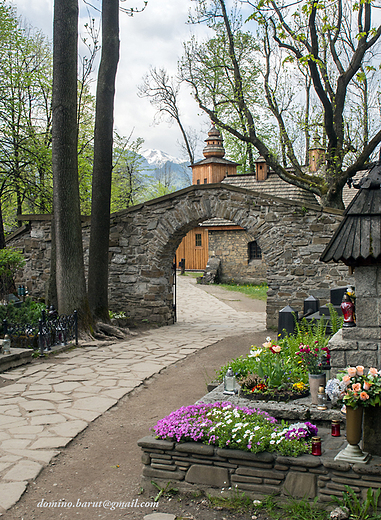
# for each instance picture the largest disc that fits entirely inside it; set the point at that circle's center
(356, 387)
(276, 349)
(367, 385)
(360, 370)
(373, 371)
(267, 344)
(351, 371)
(346, 380)
(364, 396)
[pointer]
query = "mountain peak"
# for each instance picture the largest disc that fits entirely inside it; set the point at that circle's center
(158, 157)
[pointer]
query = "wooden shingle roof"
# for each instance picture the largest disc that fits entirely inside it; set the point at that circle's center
(357, 240)
(273, 185)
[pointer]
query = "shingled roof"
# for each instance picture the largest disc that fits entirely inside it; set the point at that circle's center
(273, 185)
(357, 240)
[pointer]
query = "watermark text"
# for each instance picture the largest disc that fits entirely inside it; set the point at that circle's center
(104, 504)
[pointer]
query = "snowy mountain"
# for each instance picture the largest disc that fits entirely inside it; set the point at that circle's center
(158, 158)
(167, 169)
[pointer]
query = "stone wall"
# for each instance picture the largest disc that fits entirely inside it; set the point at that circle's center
(144, 238)
(232, 248)
(361, 345)
(191, 466)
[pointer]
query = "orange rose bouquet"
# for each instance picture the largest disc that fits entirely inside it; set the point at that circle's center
(359, 388)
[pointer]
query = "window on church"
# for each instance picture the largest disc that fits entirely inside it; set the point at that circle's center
(198, 181)
(198, 240)
(255, 252)
(205, 181)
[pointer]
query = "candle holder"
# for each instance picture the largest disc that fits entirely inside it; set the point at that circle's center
(316, 446)
(230, 383)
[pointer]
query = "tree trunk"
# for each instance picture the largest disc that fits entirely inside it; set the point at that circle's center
(70, 276)
(102, 169)
(51, 292)
(2, 234)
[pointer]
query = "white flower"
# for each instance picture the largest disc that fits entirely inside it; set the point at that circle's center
(255, 353)
(268, 338)
(256, 428)
(272, 441)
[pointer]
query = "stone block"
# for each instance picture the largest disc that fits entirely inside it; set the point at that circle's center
(308, 461)
(368, 358)
(146, 459)
(158, 444)
(259, 488)
(166, 475)
(195, 448)
(365, 469)
(368, 345)
(208, 475)
(366, 281)
(260, 473)
(338, 466)
(342, 487)
(245, 455)
(165, 467)
(368, 312)
(159, 516)
(361, 333)
(243, 478)
(300, 485)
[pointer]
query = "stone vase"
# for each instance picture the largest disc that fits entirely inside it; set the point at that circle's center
(372, 430)
(352, 453)
(315, 380)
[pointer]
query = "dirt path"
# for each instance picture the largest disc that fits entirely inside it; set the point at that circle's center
(103, 463)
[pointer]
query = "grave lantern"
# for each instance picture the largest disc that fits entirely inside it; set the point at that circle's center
(230, 383)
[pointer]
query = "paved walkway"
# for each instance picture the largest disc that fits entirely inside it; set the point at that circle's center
(48, 404)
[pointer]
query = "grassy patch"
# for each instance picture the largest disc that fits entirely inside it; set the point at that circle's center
(194, 274)
(257, 292)
(237, 502)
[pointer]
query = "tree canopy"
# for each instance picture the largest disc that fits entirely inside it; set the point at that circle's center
(319, 67)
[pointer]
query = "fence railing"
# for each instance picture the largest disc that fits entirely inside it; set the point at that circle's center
(51, 330)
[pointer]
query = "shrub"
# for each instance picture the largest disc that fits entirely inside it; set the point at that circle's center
(10, 262)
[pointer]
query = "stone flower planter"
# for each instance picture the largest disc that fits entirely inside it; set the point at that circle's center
(192, 466)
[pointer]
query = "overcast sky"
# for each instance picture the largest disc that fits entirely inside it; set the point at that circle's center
(151, 38)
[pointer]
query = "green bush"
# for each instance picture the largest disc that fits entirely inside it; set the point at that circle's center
(10, 262)
(28, 312)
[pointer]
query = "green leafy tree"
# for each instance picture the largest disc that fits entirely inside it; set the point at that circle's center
(332, 46)
(129, 179)
(25, 116)
(207, 67)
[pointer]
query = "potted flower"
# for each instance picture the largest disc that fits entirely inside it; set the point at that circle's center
(357, 390)
(311, 358)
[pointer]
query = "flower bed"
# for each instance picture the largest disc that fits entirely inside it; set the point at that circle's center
(225, 425)
(279, 369)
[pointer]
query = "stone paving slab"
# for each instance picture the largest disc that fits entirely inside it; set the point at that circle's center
(48, 405)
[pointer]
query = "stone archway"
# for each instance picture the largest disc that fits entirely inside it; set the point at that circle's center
(144, 238)
(291, 236)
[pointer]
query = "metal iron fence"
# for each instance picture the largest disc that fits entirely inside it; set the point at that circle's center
(51, 330)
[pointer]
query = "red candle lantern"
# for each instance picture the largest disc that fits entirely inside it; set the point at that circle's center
(335, 428)
(316, 446)
(348, 309)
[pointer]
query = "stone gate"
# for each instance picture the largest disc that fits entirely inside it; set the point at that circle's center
(144, 238)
